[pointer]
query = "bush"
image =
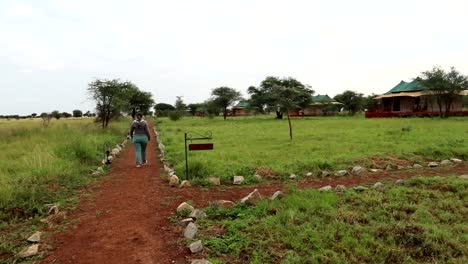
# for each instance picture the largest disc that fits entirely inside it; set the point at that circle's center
(175, 115)
(77, 113)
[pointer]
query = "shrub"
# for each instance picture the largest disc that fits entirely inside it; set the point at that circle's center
(175, 115)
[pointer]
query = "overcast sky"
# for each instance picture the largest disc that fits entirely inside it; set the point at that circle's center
(51, 50)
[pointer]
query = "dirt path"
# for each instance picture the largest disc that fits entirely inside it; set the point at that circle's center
(128, 218)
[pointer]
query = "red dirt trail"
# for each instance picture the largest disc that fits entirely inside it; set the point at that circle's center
(128, 218)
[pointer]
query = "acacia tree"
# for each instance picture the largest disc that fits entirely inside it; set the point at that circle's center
(446, 86)
(286, 99)
(138, 101)
(110, 98)
(351, 100)
(264, 97)
(224, 97)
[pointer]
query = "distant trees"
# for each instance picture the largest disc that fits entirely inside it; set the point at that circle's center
(33, 115)
(369, 103)
(446, 86)
(114, 96)
(66, 114)
(267, 96)
(77, 113)
(56, 114)
(224, 97)
(351, 100)
(163, 109)
(194, 108)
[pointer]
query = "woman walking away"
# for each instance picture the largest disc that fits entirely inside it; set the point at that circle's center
(140, 134)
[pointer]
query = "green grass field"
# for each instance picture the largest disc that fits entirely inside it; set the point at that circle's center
(423, 221)
(243, 144)
(40, 166)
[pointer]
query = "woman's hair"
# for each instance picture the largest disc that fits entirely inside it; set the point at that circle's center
(140, 114)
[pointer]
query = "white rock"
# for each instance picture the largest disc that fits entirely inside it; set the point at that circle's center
(185, 184)
(325, 173)
(258, 177)
(214, 180)
(463, 176)
(358, 170)
(433, 164)
(225, 204)
(54, 209)
(185, 207)
(445, 163)
(186, 221)
(293, 176)
(325, 188)
(454, 160)
(399, 182)
(418, 166)
(340, 188)
(30, 251)
(277, 195)
(389, 167)
(200, 261)
(253, 198)
(375, 170)
(115, 152)
(309, 174)
(100, 170)
(341, 173)
(379, 185)
(196, 246)
(197, 214)
(190, 231)
(173, 180)
(238, 180)
(36, 237)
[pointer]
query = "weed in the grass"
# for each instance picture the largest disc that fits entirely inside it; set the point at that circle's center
(423, 221)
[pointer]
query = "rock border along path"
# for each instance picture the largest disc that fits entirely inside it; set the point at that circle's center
(128, 218)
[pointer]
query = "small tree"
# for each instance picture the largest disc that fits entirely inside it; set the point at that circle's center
(45, 119)
(33, 115)
(66, 115)
(288, 98)
(264, 98)
(77, 113)
(446, 86)
(56, 114)
(180, 105)
(351, 100)
(110, 98)
(163, 109)
(224, 97)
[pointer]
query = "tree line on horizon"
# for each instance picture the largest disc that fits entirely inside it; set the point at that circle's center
(115, 98)
(279, 95)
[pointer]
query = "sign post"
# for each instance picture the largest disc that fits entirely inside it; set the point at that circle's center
(192, 147)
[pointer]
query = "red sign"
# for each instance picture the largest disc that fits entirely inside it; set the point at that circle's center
(206, 146)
